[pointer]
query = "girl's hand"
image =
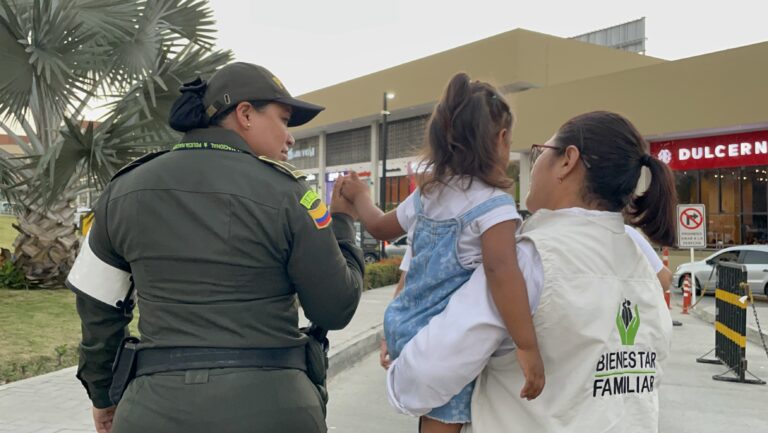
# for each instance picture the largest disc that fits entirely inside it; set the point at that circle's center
(533, 370)
(384, 359)
(353, 187)
(339, 204)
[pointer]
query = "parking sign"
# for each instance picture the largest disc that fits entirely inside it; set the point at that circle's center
(691, 226)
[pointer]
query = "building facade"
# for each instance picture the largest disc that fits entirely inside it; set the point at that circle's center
(704, 115)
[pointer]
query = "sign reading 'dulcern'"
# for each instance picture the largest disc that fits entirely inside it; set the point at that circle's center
(721, 151)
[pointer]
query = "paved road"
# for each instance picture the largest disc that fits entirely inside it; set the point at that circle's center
(359, 404)
(691, 401)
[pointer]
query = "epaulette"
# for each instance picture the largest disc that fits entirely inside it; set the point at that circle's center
(137, 162)
(284, 167)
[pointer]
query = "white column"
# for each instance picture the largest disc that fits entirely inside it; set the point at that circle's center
(525, 178)
(321, 164)
(375, 162)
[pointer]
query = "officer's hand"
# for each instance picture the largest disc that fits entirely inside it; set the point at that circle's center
(339, 204)
(102, 419)
(354, 188)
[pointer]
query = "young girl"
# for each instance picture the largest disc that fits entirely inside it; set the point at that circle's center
(458, 218)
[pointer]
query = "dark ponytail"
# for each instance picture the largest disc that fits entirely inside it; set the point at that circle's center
(654, 210)
(614, 153)
(461, 134)
(188, 111)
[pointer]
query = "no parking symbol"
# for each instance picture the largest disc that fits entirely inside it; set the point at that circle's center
(691, 226)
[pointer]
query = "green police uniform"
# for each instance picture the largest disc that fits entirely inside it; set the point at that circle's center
(219, 244)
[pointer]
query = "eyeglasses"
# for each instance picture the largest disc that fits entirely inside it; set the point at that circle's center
(538, 149)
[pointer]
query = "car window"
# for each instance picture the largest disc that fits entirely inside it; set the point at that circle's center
(755, 258)
(402, 241)
(730, 256)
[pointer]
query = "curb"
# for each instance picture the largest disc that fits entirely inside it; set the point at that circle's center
(350, 353)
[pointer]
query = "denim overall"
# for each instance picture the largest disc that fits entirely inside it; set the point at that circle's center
(434, 274)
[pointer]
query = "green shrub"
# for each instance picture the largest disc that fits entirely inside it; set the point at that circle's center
(11, 277)
(383, 273)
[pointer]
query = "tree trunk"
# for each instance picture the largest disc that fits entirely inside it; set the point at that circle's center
(47, 245)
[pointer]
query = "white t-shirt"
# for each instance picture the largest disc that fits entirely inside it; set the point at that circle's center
(645, 247)
(450, 201)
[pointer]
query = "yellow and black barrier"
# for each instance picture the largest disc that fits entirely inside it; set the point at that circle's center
(730, 349)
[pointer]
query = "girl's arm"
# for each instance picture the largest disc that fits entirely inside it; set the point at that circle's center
(509, 293)
(382, 226)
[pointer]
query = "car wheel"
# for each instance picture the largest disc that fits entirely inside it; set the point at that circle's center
(765, 290)
(371, 258)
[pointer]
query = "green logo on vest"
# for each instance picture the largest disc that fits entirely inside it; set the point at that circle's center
(627, 323)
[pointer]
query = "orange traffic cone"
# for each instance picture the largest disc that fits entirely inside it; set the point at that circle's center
(686, 294)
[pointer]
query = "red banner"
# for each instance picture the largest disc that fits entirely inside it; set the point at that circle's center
(721, 151)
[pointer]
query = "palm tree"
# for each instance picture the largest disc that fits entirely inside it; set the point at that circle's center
(62, 59)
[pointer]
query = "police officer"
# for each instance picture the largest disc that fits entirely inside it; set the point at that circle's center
(216, 239)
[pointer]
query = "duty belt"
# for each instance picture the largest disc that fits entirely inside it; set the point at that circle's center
(150, 361)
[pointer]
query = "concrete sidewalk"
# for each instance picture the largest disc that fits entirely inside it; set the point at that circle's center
(691, 401)
(57, 403)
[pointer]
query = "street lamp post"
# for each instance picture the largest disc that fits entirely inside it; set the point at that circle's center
(384, 137)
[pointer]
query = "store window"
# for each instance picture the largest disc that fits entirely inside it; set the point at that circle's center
(755, 230)
(398, 189)
(729, 190)
(723, 230)
(710, 189)
(687, 185)
(753, 189)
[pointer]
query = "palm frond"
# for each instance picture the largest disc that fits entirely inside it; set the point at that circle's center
(156, 94)
(191, 20)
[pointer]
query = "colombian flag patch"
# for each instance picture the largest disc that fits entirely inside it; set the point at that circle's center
(317, 209)
(320, 215)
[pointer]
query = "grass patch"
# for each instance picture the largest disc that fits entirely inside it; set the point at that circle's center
(7, 233)
(40, 332)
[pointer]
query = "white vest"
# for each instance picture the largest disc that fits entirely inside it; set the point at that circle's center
(597, 380)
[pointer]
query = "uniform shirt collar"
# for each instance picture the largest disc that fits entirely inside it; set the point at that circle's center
(217, 135)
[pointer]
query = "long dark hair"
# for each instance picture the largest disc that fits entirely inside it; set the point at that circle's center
(461, 134)
(614, 153)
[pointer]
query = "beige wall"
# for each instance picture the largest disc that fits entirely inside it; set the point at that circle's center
(714, 91)
(518, 56)
(11, 148)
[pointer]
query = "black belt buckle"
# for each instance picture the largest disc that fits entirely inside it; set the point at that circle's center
(124, 368)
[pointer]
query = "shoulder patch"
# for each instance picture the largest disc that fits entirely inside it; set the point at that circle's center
(316, 208)
(309, 199)
(320, 214)
(284, 167)
(137, 162)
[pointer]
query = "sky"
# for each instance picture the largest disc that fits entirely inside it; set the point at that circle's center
(312, 44)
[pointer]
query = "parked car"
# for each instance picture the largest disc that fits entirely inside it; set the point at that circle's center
(754, 257)
(397, 246)
(370, 246)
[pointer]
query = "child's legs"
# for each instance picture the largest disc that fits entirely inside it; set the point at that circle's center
(429, 425)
